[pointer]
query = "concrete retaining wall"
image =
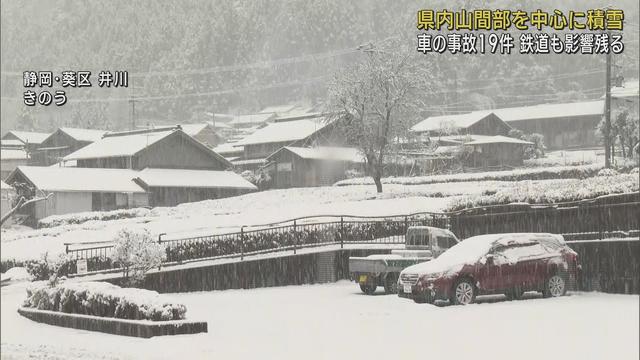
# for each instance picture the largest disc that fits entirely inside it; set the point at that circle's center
(136, 328)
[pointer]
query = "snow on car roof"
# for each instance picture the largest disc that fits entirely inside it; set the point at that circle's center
(193, 179)
(459, 121)
(472, 249)
(80, 179)
(284, 131)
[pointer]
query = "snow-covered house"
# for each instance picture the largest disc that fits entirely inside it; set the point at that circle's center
(7, 194)
(564, 126)
(476, 122)
(63, 142)
(319, 166)
(156, 148)
(76, 189)
(203, 132)
(170, 187)
(30, 139)
(300, 133)
(10, 158)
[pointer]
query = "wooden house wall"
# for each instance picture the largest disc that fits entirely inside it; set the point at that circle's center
(490, 155)
(491, 126)
(177, 152)
(563, 133)
(172, 196)
(50, 157)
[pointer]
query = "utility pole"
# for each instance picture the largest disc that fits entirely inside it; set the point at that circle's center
(607, 112)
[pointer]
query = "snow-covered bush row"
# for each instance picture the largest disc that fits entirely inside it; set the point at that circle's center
(103, 299)
(557, 172)
(79, 218)
(551, 191)
(266, 240)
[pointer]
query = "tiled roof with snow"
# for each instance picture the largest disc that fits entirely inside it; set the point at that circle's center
(478, 139)
(89, 135)
(80, 179)
(546, 111)
(287, 131)
(193, 129)
(193, 179)
(251, 119)
(120, 145)
(11, 143)
(327, 153)
(13, 154)
(278, 109)
(498, 139)
(228, 148)
(459, 121)
(29, 136)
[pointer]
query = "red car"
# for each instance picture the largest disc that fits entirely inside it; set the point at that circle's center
(507, 264)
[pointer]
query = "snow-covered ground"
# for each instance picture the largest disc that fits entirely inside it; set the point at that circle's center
(336, 321)
(229, 214)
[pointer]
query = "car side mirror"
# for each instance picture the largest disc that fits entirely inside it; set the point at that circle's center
(489, 259)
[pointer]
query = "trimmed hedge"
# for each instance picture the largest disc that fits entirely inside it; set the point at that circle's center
(547, 173)
(103, 299)
(550, 192)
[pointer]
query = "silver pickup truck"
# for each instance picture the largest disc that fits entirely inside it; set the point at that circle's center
(422, 243)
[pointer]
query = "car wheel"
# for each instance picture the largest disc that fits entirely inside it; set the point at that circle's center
(368, 289)
(464, 293)
(555, 286)
(391, 284)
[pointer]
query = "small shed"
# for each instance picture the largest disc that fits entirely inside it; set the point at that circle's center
(77, 189)
(63, 142)
(476, 122)
(170, 187)
(320, 166)
(494, 151)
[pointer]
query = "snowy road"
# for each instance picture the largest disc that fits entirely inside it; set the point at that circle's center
(335, 321)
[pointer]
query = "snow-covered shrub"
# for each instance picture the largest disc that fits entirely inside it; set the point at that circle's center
(47, 268)
(137, 252)
(79, 218)
(607, 172)
(249, 176)
(557, 172)
(103, 299)
(635, 170)
(552, 191)
(353, 174)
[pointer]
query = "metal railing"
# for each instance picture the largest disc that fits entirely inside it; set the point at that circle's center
(313, 231)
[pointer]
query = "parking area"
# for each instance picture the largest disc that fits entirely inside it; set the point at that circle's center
(333, 321)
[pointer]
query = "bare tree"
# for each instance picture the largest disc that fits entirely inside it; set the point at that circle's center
(377, 100)
(22, 202)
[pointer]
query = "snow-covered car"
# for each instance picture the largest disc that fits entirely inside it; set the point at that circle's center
(507, 264)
